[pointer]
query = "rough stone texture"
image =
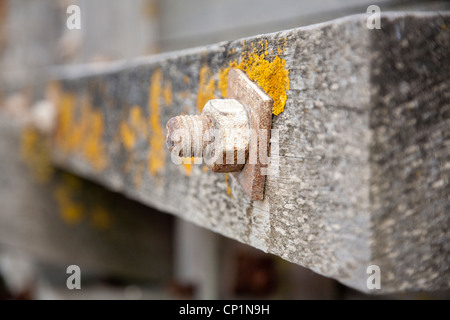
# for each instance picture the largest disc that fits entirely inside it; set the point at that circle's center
(363, 148)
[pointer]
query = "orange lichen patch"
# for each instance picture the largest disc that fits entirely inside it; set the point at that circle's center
(132, 127)
(206, 87)
(228, 185)
(127, 136)
(93, 149)
(223, 81)
(187, 163)
(100, 218)
(137, 120)
(35, 153)
(186, 79)
(167, 93)
(66, 110)
(81, 135)
(271, 74)
(65, 193)
(78, 202)
(205, 169)
(157, 153)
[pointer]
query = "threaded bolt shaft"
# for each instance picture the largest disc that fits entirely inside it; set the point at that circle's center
(189, 134)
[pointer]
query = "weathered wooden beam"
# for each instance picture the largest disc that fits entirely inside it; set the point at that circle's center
(362, 121)
(59, 219)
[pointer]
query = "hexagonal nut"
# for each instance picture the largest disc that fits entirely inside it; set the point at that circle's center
(228, 151)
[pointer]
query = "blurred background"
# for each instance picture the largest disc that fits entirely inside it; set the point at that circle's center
(50, 219)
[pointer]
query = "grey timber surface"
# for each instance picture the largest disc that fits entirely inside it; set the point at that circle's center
(364, 161)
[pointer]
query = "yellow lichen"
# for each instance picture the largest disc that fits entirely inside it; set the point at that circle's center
(100, 218)
(127, 136)
(77, 205)
(65, 193)
(35, 154)
(206, 87)
(271, 74)
(132, 127)
(223, 81)
(81, 135)
(93, 149)
(168, 93)
(227, 183)
(187, 164)
(157, 153)
(66, 110)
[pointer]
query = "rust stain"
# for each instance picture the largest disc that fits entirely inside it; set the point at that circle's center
(157, 153)
(206, 87)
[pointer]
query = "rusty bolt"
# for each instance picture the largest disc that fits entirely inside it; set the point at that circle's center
(220, 135)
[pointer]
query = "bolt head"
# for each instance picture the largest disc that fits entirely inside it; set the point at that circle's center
(229, 148)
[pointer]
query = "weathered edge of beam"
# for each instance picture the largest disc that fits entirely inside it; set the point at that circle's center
(332, 206)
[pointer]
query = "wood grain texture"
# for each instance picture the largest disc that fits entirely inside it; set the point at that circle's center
(363, 146)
